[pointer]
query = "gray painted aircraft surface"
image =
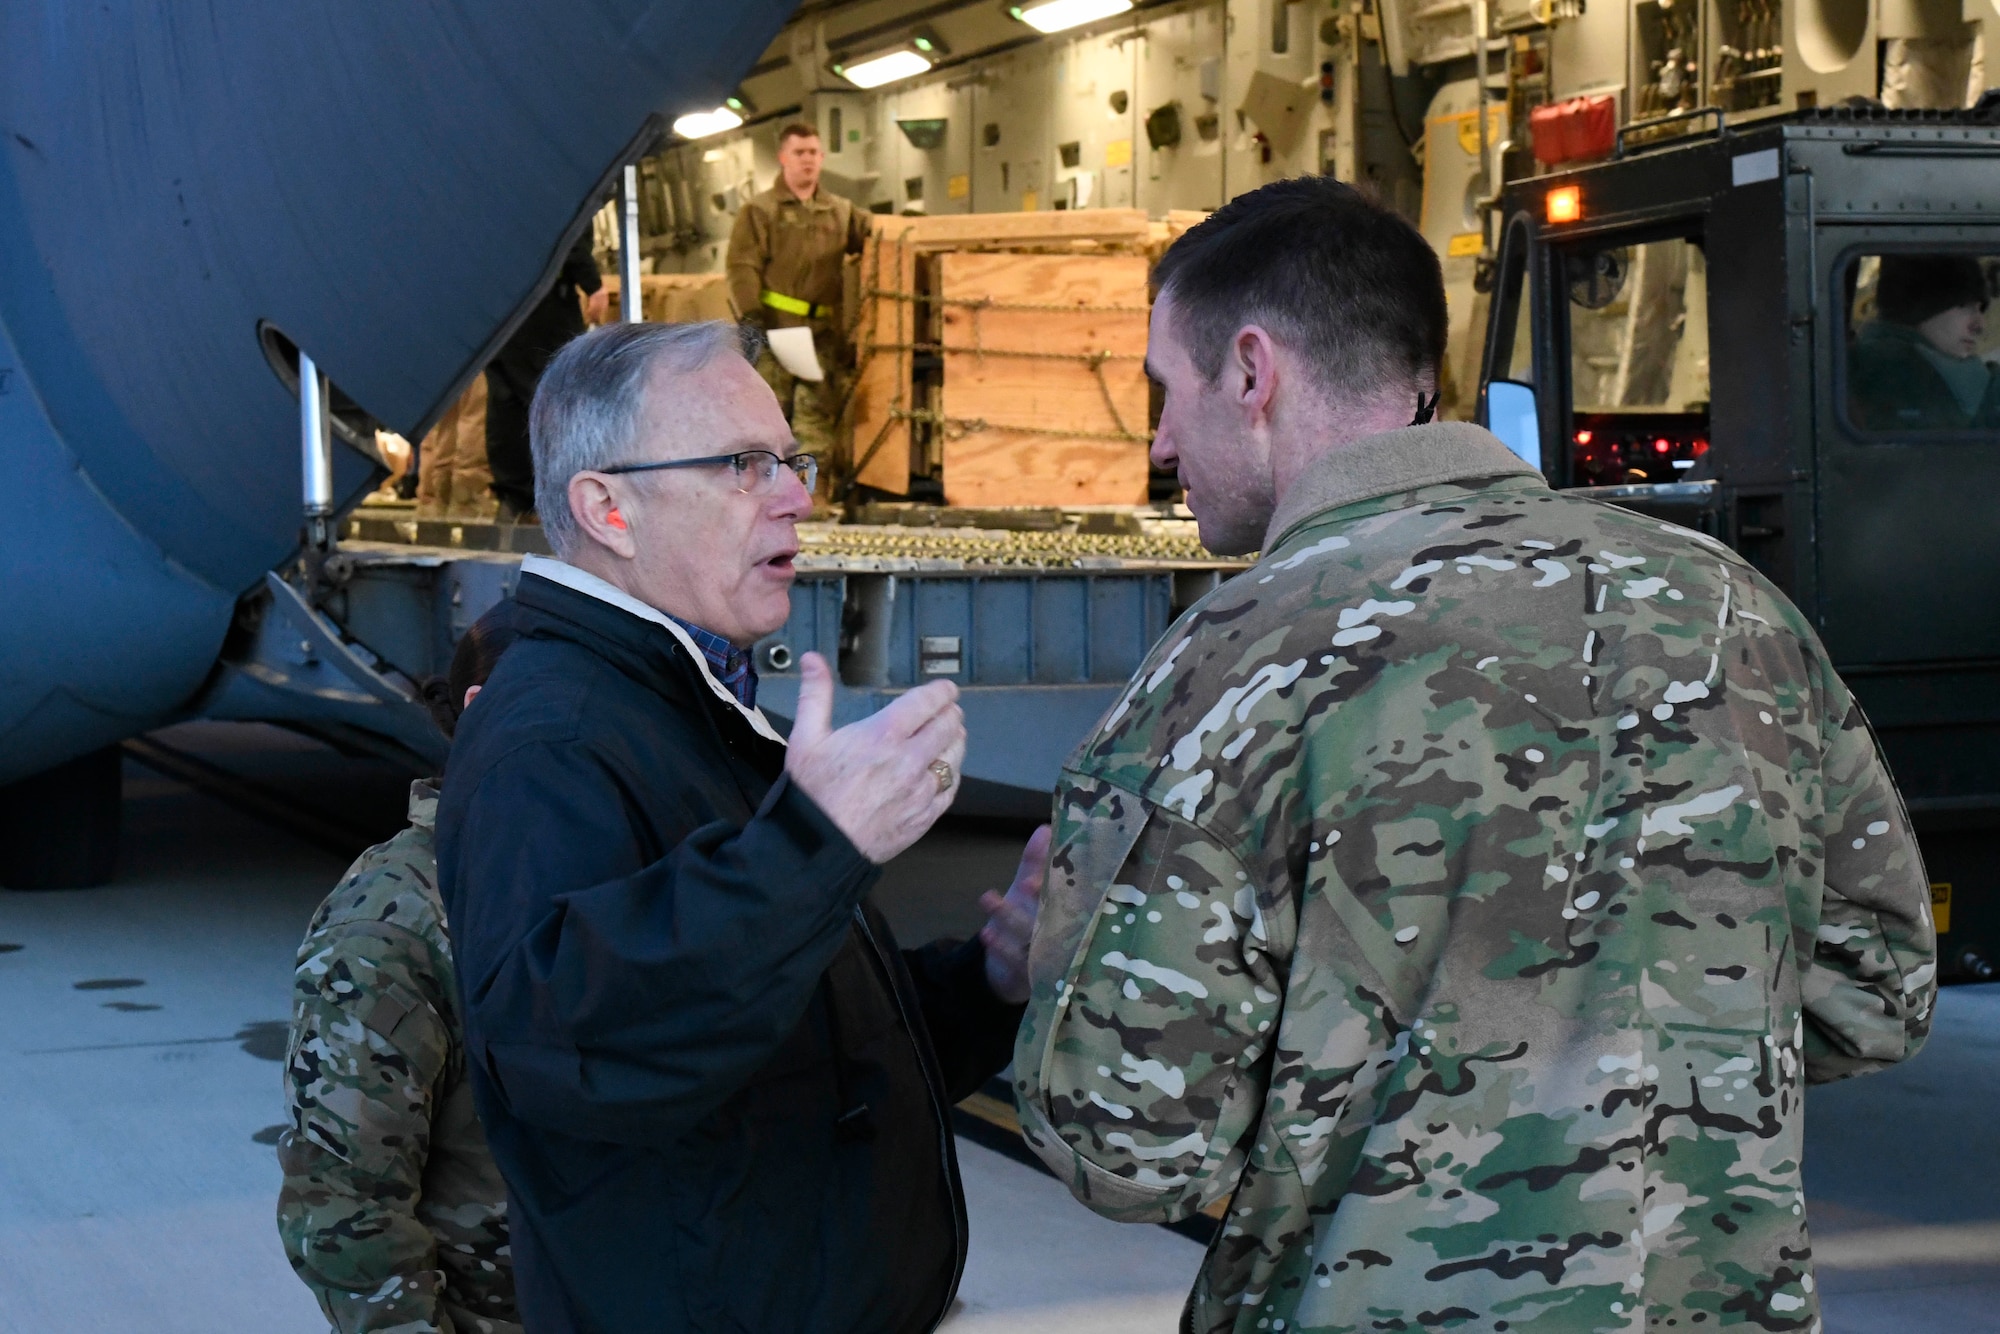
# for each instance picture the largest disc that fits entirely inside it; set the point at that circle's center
(187, 194)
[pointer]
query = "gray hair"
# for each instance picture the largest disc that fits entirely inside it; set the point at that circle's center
(586, 409)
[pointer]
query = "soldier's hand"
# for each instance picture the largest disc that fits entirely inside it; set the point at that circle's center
(874, 779)
(1010, 921)
(597, 306)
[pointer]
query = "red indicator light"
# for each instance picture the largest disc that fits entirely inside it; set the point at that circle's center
(1700, 448)
(1583, 437)
(1661, 446)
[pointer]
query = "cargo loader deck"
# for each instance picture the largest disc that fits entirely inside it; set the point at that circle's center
(1039, 616)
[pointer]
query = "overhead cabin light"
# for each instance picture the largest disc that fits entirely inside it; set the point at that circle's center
(701, 124)
(918, 51)
(1565, 204)
(1056, 15)
(878, 68)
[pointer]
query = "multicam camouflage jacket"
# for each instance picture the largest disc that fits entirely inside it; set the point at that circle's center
(392, 1210)
(1466, 894)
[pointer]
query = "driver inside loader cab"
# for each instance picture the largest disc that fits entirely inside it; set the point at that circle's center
(1918, 364)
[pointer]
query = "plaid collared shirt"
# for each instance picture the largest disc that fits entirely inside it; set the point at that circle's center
(730, 664)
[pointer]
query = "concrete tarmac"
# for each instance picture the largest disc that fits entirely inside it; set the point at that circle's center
(141, 1026)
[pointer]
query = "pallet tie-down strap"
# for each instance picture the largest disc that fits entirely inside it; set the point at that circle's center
(896, 412)
(988, 303)
(1094, 360)
(964, 426)
(868, 456)
(869, 347)
(1110, 405)
(1088, 358)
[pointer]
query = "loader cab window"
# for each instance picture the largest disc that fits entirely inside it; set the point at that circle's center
(1922, 342)
(1638, 354)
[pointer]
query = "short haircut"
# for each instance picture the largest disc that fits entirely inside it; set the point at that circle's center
(798, 129)
(1335, 276)
(586, 408)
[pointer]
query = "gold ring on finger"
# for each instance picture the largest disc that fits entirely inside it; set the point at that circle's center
(942, 771)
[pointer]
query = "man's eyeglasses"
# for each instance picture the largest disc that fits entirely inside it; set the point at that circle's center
(756, 471)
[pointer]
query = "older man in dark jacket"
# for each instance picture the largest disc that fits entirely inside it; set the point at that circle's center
(717, 1089)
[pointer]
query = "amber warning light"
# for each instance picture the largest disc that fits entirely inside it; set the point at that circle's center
(1565, 204)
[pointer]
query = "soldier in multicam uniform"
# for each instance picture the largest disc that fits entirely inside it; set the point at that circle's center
(392, 1210)
(1466, 893)
(785, 256)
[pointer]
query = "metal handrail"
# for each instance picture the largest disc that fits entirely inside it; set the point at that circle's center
(315, 454)
(1721, 126)
(630, 294)
(1696, 494)
(1961, 148)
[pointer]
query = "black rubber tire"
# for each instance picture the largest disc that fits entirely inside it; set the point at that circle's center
(59, 828)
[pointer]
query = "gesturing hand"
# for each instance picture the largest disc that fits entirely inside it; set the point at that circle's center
(1010, 921)
(874, 778)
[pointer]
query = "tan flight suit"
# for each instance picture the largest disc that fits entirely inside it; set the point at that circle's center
(453, 477)
(784, 264)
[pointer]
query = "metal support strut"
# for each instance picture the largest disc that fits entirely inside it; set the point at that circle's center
(628, 247)
(315, 455)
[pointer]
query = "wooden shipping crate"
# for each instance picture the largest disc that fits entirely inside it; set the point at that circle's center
(883, 334)
(1044, 399)
(677, 298)
(904, 309)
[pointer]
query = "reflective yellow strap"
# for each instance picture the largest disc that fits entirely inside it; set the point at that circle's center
(791, 305)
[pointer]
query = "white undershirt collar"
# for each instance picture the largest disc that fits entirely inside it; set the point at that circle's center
(583, 581)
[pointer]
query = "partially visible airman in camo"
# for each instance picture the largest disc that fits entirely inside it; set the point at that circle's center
(392, 1210)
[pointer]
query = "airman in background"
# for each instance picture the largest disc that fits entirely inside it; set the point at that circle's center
(453, 477)
(785, 257)
(392, 1210)
(577, 299)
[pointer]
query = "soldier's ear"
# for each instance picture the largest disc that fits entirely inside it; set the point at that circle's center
(1254, 364)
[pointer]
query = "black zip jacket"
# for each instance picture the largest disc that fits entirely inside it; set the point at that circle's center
(705, 1069)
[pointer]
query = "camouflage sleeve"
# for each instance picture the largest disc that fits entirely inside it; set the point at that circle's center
(749, 253)
(1872, 978)
(366, 1052)
(1140, 1068)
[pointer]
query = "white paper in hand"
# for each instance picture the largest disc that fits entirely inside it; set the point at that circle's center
(794, 350)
